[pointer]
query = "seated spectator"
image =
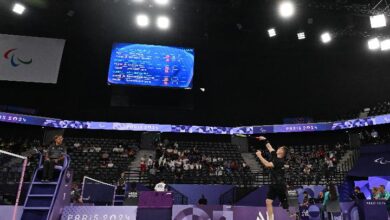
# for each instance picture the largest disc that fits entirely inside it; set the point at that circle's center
(103, 164)
(97, 149)
(110, 164)
(186, 166)
(306, 170)
(120, 149)
(234, 166)
(131, 152)
(105, 156)
(161, 186)
(125, 154)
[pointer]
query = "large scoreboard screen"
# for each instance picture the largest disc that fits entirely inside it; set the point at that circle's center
(151, 65)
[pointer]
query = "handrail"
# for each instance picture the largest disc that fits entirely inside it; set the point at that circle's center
(178, 195)
(34, 176)
(65, 167)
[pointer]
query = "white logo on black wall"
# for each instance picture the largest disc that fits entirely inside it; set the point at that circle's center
(382, 161)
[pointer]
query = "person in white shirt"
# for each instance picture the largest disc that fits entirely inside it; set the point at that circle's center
(120, 149)
(186, 166)
(161, 186)
(150, 162)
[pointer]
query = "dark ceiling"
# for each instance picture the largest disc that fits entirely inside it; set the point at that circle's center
(249, 78)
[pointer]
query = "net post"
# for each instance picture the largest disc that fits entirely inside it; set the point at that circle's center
(19, 189)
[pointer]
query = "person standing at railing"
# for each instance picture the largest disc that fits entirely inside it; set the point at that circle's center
(278, 187)
(54, 155)
(384, 195)
(331, 198)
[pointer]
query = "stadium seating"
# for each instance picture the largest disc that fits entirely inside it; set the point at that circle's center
(11, 169)
(217, 172)
(87, 157)
(310, 164)
(380, 108)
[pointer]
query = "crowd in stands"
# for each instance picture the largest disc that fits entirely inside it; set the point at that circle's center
(103, 159)
(190, 162)
(11, 167)
(373, 136)
(379, 108)
(313, 164)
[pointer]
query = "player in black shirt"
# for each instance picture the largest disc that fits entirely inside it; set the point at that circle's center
(278, 188)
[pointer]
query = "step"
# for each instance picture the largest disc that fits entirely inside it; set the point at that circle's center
(37, 208)
(41, 195)
(44, 183)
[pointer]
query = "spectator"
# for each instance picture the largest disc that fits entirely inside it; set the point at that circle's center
(202, 200)
(375, 193)
(383, 194)
(330, 195)
(357, 194)
(150, 162)
(161, 186)
(97, 149)
(143, 158)
(142, 166)
(320, 197)
(75, 194)
(110, 164)
(105, 156)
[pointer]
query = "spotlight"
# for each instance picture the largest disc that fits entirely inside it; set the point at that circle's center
(374, 44)
(271, 32)
(202, 89)
(286, 9)
(378, 21)
(163, 22)
(301, 35)
(142, 20)
(18, 8)
(161, 2)
(385, 44)
(326, 37)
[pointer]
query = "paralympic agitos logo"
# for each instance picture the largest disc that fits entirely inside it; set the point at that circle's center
(14, 59)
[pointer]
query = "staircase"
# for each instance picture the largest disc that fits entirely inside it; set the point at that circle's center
(251, 161)
(257, 170)
(345, 161)
(42, 195)
(133, 174)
